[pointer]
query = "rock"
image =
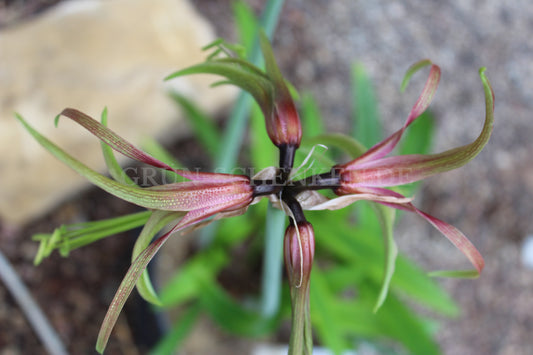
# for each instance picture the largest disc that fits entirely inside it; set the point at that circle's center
(87, 55)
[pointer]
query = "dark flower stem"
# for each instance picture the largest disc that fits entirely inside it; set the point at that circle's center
(286, 161)
(329, 180)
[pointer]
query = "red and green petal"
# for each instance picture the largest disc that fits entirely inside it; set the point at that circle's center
(386, 146)
(399, 170)
(454, 235)
(213, 189)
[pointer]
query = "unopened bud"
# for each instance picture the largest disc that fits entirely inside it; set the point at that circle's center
(299, 245)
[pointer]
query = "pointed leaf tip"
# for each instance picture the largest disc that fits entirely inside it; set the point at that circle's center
(412, 70)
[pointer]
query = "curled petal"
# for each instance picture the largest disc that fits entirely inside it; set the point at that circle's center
(386, 146)
(124, 147)
(132, 276)
(404, 169)
(157, 221)
(453, 234)
(141, 261)
(111, 138)
(346, 200)
(215, 189)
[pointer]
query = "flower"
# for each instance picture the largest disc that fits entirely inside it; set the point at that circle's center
(209, 195)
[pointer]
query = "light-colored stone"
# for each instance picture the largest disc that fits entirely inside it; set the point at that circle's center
(87, 55)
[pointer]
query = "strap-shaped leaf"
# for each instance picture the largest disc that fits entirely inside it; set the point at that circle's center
(115, 170)
(386, 219)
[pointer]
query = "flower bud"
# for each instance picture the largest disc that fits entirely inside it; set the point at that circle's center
(283, 127)
(299, 245)
(281, 119)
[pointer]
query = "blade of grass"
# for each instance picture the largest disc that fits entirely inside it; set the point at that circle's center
(272, 262)
(366, 128)
(171, 342)
(311, 116)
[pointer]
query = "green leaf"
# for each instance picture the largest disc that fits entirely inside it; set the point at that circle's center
(185, 284)
(367, 128)
(272, 262)
(386, 218)
(230, 315)
(115, 170)
(360, 248)
(172, 340)
(311, 116)
(460, 274)
(411, 280)
(339, 140)
(73, 236)
(155, 223)
(323, 319)
(205, 130)
(401, 323)
(246, 24)
(261, 149)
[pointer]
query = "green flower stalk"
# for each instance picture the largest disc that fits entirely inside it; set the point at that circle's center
(299, 250)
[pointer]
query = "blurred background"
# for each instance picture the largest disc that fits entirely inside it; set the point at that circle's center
(316, 43)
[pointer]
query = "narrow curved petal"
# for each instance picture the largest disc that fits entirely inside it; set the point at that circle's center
(453, 234)
(132, 276)
(111, 138)
(346, 200)
(141, 261)
(392, 171)
(195, 216)
(122, 146)
(386, 146)
(175, 197)
(157, 221)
